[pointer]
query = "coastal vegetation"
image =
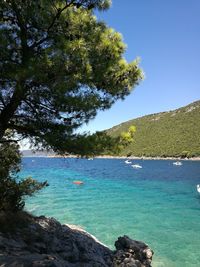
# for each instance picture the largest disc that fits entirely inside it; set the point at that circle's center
(59, 65)
(166, 134)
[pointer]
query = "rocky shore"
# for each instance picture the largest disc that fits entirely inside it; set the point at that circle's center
(148, 158)
(45, 242)
(131, 157)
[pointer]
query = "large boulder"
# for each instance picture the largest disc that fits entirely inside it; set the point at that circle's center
(132, 253)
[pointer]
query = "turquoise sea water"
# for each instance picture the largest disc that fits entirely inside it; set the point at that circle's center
(158, 204)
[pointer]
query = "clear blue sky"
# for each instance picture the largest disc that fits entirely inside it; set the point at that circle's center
(166, 36)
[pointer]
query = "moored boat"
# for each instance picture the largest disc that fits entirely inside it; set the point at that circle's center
(136, 166)
(178, 163)
(198, 188)
(127, 161)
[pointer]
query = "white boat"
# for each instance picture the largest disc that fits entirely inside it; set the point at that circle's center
(198, 188)
(136, 166)
(127, 161)
(90, 159)
(177, 163)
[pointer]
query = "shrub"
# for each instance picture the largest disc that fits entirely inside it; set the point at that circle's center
(12, 189)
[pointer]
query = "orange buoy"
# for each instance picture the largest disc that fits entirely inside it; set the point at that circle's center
(78, 182)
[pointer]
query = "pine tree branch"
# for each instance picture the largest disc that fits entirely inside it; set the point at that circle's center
(56, 17)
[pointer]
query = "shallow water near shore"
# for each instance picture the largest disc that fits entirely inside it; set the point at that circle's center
(157, 204)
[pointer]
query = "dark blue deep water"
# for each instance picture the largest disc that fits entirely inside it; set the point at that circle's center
(158, 204)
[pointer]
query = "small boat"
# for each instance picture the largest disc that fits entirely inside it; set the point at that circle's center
(127, 161)
(198, 188)
(136, 166)
(177, 163)
(78, 182)
(90, 159)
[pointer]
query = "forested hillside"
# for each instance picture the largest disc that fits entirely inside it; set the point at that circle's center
(175, 133)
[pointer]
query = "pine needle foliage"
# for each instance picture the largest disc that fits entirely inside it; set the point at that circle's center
(59, 65)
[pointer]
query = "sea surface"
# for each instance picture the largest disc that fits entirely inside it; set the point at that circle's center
(157, 204)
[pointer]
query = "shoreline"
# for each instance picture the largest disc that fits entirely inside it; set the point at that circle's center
(149, 158)
(117, 157)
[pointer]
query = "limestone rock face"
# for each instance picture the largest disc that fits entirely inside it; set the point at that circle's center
(45, 242)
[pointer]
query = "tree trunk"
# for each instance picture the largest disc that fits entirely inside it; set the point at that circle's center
(10, 109)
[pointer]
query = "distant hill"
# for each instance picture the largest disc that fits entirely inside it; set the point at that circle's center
(167, 134)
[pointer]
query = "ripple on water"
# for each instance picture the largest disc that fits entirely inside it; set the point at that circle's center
(157, 204)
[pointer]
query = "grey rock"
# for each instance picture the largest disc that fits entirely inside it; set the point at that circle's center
(132, 253)
(45, 242)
